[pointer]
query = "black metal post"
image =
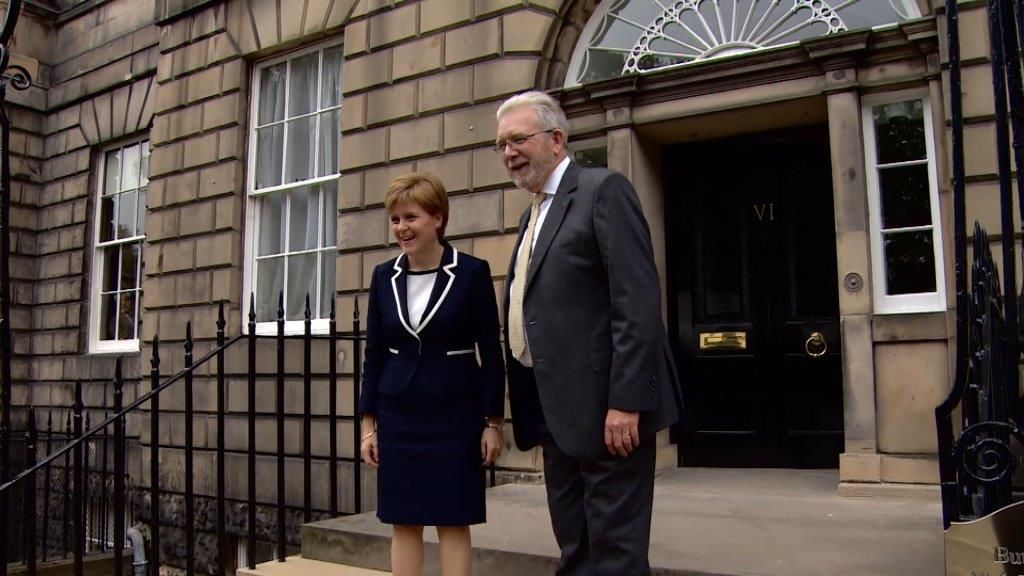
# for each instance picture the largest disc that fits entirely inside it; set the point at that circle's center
(119, 471)
(6, 350)
(78, 502)
(279, 400)
(943, 413)
(357, 371)
(104, 496)
(189, 443)
(1015, 86)
(30, 495)
(307, 422)
(222, 539)
(47, 489)
(66, 521)
(333, 411)
(251, 527)
(999, 66)
(86, 491)
(154, 459)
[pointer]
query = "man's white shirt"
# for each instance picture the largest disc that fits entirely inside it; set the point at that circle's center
(549, 189)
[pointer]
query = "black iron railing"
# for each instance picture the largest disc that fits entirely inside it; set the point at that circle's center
(87, 532)
(46, 519)
(976, 467)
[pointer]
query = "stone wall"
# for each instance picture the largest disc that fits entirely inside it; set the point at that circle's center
(92, 73)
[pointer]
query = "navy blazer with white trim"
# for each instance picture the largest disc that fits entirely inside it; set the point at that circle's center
(439, 357)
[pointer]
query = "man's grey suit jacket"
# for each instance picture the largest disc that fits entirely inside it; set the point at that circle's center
(592, 313)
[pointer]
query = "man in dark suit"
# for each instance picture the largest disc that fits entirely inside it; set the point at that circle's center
(589, 368)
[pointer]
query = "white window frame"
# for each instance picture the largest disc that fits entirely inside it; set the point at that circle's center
(96, 344)
(291, 327)
(885, 303)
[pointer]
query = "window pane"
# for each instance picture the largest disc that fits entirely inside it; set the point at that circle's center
(271, 224)
(909, 262)
(301, 139)
(126, 214)
(126, 315)
(108, 316)
(272, 93)
(112, 172)
(330, 82)
(111, 260)
(144, 175)
(140, 223)
(328, 259)
(130, 265)
(269, 151)
(303, 216)
(302, 88)
(906, 197)
(601, 65)
(107, 209)
(899, 131)
(328, 143)
(593, 157)
(131, 161)
(269, 283)
(302, 280)
(330, 214)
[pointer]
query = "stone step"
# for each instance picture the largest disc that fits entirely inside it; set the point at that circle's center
(299, 566)
(706, 522)
(362, 540)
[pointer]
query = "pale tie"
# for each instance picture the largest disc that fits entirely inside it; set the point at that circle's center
(516, 329)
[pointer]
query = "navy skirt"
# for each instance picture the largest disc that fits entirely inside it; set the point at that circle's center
(431, 472)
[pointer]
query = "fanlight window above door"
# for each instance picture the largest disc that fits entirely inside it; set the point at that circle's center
(635, 36)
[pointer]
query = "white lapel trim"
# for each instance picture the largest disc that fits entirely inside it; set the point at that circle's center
(451, 279)
(398, 301)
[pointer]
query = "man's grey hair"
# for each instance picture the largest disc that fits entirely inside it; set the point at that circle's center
(549, 114)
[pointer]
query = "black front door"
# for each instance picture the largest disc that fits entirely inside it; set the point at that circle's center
(752, 252)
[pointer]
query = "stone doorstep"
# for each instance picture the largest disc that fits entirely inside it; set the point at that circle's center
(923, 492)
(706, 522)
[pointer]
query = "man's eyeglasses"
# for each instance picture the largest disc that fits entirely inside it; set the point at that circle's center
(516, 141)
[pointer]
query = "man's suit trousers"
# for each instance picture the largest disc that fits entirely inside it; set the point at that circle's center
(601, 509)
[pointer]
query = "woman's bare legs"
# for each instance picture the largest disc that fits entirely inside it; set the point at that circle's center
(455, 548)
(407, 550)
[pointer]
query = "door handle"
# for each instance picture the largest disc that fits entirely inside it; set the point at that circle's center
(816, 341)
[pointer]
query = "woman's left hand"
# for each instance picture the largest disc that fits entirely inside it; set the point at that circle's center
(490, 445)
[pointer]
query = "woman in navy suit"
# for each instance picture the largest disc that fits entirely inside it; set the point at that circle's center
(431, 414)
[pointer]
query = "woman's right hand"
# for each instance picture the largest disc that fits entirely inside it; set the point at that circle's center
(368, 444)
(368, 450)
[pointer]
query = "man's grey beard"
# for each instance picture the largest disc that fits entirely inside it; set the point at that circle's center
(535, 176)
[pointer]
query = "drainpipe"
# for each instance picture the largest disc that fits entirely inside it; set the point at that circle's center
(139, 563)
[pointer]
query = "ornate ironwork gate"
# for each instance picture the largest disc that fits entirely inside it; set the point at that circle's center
(981, 425)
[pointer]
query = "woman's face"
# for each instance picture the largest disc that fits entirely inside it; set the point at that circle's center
(413, 228)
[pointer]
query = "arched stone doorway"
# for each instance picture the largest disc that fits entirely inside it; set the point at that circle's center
(824, 84)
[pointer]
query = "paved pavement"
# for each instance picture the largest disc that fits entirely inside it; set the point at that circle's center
(706, 522)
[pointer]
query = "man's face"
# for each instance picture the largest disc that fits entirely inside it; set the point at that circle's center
(530, 153)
